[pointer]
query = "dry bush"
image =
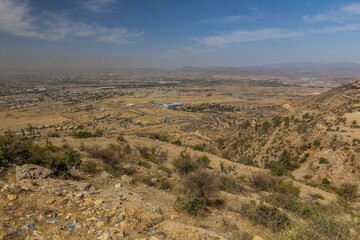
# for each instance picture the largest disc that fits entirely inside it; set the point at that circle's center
(229, 184)
(202, 183)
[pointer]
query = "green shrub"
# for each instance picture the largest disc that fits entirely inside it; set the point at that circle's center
(83, 134)
(323, 161)
(146, 179)
(144, 164)
(3, 158)
(348, 191)
(268, 216)
(113, 155)
(22, 150)
(226, 169)
(291, 203)
(278, 171)
(273, 184)
(121, 138)
(325, 181)
(177, 142)
(15, 149)
(191, 203)
(287, 187)
(203, 161)
(165, 169)
(229, 184)
(165, 184)
(90, 167)
(262, 182)
(199, 148)
(321, 227)
(241, 235)
(184, 163)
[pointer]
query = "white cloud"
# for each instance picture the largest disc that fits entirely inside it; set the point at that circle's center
(241, 36)
(98, 5)
(352, 8)
(335, 29)
(16, 19)
(257, 14)
(341, 14)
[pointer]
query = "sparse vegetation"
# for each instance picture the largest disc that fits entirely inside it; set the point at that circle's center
(268, 216)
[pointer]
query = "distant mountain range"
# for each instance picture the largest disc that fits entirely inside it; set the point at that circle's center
(302, 69)
(282, 69)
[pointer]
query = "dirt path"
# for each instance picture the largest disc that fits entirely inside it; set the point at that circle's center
(289, 107)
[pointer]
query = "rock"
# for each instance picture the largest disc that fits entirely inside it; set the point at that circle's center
(176, 230)
(154, 180)
(159, 234)
(134, 212)
(79, 196)
(12, 197)
(98, 203)
(127, 179)
(78, 226)
(121, 234)
(100, 224)
(84, 186)
(50, 201)
(105, 236)
(88, 202)
(31, 171)
(5, 188)
(257, 238)
(1, 184)
(105, 175)
(118, 186)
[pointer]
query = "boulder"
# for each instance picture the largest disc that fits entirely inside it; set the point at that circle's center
(31, 171)
(257, 238)
(126, 179)
(176, 230)
(105, 175)
(84, 186)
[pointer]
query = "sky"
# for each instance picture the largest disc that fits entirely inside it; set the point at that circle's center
(43, 34)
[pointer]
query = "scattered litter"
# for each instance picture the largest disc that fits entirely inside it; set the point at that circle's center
(151, 191)
(72, 225)
(119, 221)
(52, 222)
(12, 197)
(29, 226)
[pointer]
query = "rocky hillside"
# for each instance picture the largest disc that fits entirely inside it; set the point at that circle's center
(291, 172)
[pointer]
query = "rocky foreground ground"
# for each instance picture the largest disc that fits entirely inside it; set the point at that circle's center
(36, 206)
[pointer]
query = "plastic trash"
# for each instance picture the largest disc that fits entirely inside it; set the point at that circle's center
(72, 225)
(52, 222)
(151, 191)
(30, 226)
(119, 221)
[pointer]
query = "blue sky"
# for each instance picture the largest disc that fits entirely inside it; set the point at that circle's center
(176, 33)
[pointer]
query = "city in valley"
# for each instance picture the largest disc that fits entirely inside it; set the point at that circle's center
(132, 153)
